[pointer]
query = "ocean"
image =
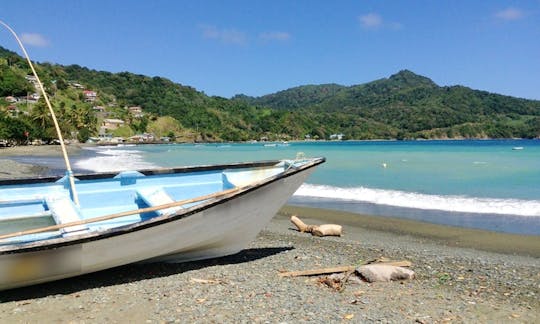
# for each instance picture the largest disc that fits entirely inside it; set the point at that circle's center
(484, 184)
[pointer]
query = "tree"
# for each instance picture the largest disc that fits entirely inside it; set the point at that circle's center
(15, 129)
(13, 83)
(42, 118)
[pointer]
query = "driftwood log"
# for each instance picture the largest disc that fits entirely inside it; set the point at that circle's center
(317, 230)
(380, 272)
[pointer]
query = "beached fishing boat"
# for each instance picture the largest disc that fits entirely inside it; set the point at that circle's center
(171, 215)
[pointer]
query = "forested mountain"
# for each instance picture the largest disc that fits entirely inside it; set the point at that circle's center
(404, 105)
(298, 97)
(410, 105)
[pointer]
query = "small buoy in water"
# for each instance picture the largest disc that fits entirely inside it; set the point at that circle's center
(384, 165)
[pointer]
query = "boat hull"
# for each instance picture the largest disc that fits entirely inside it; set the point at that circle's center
(213, 230)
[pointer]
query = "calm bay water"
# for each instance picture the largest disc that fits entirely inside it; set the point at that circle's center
(492, 184)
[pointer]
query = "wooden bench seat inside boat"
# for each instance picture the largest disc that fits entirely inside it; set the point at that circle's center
(64, 211)
(157, 196)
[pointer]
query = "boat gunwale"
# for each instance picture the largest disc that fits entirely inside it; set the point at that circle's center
(54, 243)
(154, 171)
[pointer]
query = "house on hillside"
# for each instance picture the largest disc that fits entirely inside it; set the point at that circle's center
(34, 81)
(337, 137)
(11, 99)
(146, 137)
(112, 124)
(136, 111)
(89, 95)
(34, 97)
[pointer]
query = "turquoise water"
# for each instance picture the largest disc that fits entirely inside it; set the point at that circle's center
(449, 182)
(472, 168)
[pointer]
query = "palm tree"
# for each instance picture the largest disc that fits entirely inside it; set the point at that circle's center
(42, 118)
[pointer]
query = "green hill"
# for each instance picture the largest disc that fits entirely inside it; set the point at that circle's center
(405, 105)
(413, 106)
(297, 97)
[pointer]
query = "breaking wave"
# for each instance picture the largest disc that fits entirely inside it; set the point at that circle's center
(112, 159)
(423, 201)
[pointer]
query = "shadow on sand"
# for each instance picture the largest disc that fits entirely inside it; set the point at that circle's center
(131, 273)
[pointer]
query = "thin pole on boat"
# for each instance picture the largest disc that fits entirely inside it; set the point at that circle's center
(69, 173)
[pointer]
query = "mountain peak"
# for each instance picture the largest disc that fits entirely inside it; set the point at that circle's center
(409, 78)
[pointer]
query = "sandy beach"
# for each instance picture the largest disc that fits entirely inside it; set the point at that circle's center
(462, 275)
(10, 169)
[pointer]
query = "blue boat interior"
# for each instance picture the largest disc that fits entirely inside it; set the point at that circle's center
(28, 206)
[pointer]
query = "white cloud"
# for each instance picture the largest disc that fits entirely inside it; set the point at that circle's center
(33, 39)
(371, 20)
(226, 36)
(510, 14)
(375, 21)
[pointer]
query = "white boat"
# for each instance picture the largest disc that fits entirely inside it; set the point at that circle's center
(172, 215)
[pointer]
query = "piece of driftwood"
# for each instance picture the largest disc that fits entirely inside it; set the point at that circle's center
(383, 260)
(317, 230)
(339, 269)
(314, 272)
(379, 272)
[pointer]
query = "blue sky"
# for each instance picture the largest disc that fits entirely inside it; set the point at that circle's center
(260, 47)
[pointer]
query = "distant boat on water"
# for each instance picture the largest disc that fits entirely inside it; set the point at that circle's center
(517, 148)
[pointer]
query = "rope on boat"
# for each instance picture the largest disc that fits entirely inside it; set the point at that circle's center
(300, 157)
(69, 173)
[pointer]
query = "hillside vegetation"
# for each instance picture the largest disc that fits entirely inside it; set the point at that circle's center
(404, 105)
(412, 106)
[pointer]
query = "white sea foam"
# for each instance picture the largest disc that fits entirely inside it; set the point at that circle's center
(112, 159)
(424, 201)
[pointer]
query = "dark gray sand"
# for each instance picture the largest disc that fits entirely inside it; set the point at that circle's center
(10, 169)
(453, 284)
(39, 150)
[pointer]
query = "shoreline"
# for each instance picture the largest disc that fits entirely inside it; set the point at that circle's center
(451, 236)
